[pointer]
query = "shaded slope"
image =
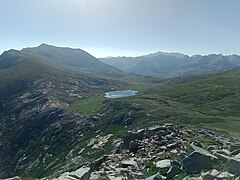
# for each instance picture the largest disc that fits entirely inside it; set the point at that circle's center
(38, 128)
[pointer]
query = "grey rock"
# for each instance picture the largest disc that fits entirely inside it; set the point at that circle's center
(235, 146)
(173, 145)
(13, 178)
(97, 163)
(154, 130)
(211, 147)
(137, 175)
(128, 163)
(216, 175)
(166, 163)
(193, 178)
(233, 166)
(131, 136)
(174, 170)
(133, 146)
(237, 156)
(225, 175)
(156, 176)
(196, 143)
(235, 152)
(82, 173)
(222, 157)
(199, 159)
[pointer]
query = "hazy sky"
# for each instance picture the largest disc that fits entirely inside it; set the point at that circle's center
(123, 27)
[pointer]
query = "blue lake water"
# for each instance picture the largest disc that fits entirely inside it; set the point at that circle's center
(119, 94)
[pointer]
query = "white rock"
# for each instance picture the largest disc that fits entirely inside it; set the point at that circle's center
(164, 163)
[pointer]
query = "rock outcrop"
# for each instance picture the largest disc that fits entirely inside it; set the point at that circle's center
(198, 160)
(164, 152)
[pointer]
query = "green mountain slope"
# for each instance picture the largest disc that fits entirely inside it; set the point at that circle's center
(72, 58)
(211, 101)
(38, 126)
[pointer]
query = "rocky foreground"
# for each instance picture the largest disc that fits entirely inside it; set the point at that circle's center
(164, 152)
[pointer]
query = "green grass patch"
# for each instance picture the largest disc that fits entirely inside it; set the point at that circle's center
(89, 106)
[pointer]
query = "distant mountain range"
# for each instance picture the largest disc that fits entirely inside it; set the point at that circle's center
(173, 64)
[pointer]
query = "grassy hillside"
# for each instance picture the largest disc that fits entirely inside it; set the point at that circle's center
(35, 115)
(72, 58)
(211, 101)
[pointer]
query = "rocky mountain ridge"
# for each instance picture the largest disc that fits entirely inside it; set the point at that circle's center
(174, 64)
(164, 152)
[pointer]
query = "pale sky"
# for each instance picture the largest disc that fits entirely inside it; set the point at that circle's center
(123, 27)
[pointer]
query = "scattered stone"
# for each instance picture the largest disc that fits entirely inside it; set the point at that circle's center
(216, 175)
(154, 147)
(82, 173)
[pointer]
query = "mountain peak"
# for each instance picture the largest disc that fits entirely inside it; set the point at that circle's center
(45, 45)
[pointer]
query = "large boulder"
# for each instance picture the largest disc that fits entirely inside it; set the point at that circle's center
(166, 163)
(174, 170)
(131, 137)
(198, 160)
(233, 166)
(133, 146)
(82, 173)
